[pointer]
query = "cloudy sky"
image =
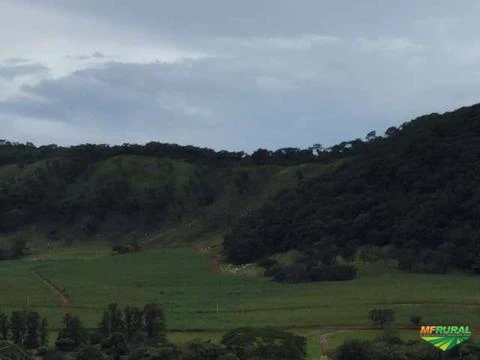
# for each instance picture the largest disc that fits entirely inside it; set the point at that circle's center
(231, 74)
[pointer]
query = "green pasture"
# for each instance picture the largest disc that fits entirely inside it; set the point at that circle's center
(199, 302)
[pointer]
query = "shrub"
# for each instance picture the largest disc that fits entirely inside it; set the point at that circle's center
(265, 344)
(355, 350)
(121, 249)
(267, 263)
(390, 337)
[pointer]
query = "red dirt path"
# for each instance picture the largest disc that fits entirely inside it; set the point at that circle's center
(64, 298)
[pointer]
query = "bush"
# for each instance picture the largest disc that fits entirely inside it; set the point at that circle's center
(267, 263)
(355, 350)
(121, 249)
(277, 272)
(265, 344)
(66, 344)
(390, 337)
(89, 353)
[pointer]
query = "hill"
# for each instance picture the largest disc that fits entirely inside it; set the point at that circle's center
(128, 193)
(411, 195)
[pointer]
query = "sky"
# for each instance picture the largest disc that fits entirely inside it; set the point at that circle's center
(229, 74)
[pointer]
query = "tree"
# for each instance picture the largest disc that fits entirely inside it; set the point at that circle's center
(317, 148)
(104, 326)
(18, 327)
(44, 332)
(370, 254)
(199, 350)
(32, 340)
(112, 321)
(89, 353)
(3, 326)
(265, 344)
(117, 345)
(371, 135)
(133, 321)
(155, 328)
(355, 350)
(72, 335)
(382, 317)
(19, 246)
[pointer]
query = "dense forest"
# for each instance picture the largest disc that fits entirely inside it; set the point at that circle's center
(412, 195)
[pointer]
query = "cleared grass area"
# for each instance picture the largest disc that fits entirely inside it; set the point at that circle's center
(180, 280)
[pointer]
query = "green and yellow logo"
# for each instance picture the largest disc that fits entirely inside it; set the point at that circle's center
(445, 337)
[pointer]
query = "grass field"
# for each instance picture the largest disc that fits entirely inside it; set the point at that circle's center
(202, 303)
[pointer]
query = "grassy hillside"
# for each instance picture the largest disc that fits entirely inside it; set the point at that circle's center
(125, 197)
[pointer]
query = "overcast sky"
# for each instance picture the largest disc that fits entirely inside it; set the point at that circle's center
(231, 74)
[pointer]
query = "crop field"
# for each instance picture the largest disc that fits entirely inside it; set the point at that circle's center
(201, 301)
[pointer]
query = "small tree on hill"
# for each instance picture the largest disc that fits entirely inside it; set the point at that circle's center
(382, 317)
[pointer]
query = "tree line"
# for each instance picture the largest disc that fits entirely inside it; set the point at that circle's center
(136, 333)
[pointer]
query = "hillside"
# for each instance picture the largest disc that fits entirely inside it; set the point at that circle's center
(412, 196)
(136, 193)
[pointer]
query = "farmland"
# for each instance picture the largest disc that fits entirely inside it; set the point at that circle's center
(201, 302)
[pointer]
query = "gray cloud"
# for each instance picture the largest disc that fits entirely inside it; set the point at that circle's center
(16, 60)
(10, 72)
(94, 55)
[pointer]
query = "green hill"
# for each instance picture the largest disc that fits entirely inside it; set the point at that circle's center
(411, 195)
(122, 194)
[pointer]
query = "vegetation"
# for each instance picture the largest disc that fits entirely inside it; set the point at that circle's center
(413, 190)
(24, 328)
(383, 348)
(151, 341)
(382, 317)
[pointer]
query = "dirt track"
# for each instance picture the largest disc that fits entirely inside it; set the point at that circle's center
(64, 298)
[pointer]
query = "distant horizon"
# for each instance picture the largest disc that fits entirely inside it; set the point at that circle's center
(250, 151)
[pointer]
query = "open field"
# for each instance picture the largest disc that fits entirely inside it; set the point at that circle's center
(200, 302)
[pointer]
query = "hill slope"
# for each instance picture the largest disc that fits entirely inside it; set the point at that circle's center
(129, 192)
(416, 190)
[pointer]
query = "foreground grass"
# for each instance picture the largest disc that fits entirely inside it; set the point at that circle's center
(201, 303)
